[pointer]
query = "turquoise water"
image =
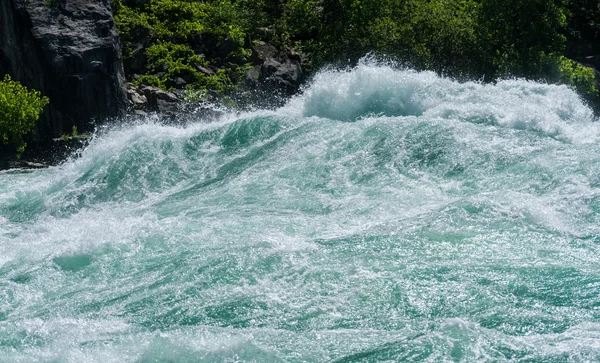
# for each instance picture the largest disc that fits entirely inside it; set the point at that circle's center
(383, 215)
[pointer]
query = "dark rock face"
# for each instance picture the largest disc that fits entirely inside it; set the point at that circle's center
(136, 62)
(276, 76)
(68, 50)
(277, 71)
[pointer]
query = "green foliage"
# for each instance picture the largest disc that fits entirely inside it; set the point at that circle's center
(301, 19)
(171, 25)
(151, 80)
(178, 60)
(19, 110)
(579, 77)
(517, 33)
(439, 35)
(483, 39)
(584, 20)
(167, 56)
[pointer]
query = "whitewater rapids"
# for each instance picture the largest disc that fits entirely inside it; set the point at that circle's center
(382, 214)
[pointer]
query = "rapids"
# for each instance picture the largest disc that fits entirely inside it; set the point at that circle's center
(382, 214)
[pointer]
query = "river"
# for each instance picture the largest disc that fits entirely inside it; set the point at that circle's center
(383, 214)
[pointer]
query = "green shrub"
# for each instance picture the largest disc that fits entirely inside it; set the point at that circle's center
(172, 26)
(171, 60)
(516, 34)
(19, 110)
(170, 57)
(580, 78)
(150, 80)
(178, 60)
(484, 39)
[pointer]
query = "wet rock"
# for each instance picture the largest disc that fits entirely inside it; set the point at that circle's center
(144, 99)
(263, 52)
(253, 76)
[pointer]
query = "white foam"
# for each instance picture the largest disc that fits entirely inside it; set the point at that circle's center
(375, 89)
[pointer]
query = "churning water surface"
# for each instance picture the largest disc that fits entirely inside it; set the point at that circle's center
(381, 215)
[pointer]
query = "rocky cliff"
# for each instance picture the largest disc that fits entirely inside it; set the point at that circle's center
(69, 50)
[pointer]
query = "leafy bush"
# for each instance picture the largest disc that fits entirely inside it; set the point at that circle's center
(171, 26)
(517, 34)
(168, 60)
(579, 77)
(483, 39)
(19, 110)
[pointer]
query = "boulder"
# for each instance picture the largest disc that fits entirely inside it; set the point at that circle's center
(159, 100)
(137, 99)
(285, 76)
(253, 76)
(146, 98)
(207, 71)
(275, 70)
(264, 51)
(69, 51)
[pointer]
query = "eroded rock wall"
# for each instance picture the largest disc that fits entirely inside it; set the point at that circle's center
(69, 50)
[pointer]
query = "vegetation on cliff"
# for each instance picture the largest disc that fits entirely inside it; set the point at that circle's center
(209, 43)
(19, 110)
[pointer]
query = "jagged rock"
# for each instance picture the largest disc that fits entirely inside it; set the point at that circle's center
(205, 70)
(167, 107)
(278, 71)
(68, 50)
(136, 61)
(146, 98)
(264, 51)
(253, 75)
(136, 98)
(286, 76)
(186, 75)
(155, 93)
(159, 100)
